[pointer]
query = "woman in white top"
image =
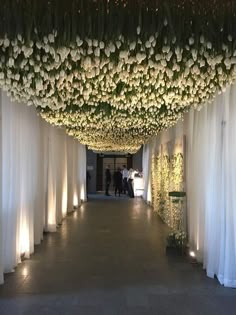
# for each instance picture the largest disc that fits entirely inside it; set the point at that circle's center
(125, 174)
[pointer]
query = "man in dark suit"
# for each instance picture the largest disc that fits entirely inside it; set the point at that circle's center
(118, 181)
(107, 180)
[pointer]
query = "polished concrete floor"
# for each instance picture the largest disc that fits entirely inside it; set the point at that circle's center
(109, 258)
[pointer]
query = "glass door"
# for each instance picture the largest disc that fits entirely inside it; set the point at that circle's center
(113, 161)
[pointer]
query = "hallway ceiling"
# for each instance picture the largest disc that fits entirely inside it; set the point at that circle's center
(115, 73)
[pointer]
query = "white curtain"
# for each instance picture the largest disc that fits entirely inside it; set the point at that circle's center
(75, 177)
(63, 198)
(51, 215)
(196, 146)
(147, 155)
(211, 183)
(74, 165)
(211, 187)
(40, 197)
(34, 180)
(70, 174)
(227, 267)
(82, 175)
(1, 214)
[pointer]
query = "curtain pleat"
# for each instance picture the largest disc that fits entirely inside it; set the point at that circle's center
(210, 183)
(147, 154)
(40, 180)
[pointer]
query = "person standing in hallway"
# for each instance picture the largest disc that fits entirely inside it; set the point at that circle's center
(118, 181)
(107, 180)
(125, 178)
(88, 177)
(130, 183)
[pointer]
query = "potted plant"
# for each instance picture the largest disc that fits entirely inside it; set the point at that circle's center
(176, 243)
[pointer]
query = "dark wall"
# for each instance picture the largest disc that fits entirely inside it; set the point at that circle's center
(137, 160)
(92, 169)
(136, 163)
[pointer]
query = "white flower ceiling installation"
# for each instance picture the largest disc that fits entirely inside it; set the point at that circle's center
(115, 73)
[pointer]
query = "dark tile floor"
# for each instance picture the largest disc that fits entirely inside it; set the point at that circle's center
(109, 258)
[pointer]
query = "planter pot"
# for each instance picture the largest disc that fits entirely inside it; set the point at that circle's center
(176, 251)
(177, 194)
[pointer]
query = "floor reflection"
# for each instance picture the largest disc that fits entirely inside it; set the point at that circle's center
(108, 257)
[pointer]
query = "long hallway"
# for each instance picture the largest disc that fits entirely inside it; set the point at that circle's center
(109, 257)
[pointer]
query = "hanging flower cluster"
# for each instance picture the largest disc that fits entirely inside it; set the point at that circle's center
(114, 92)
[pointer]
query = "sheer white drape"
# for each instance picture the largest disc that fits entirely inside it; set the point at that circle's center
(1, 216)
(227, 272)
(196, 144)
(211, 183)
(51, 215)
(75, 178)
(37, 160)
(74, 165)
(82, 172)
(147, 155)
(70, 175)
(41, 184)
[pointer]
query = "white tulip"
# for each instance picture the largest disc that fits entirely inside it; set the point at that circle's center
(147, 44)
(202, 63)
(6, 42)
(209, 45)
(166, 49)
(101, 45)
(79, 41)
(90, 51)
(95, 43)
(132, 45)
(163, 63)
(224, 47)
(51, 38)
(45, 39)
(38, 45)
(112, 47)
(37, 68)
(39, 85)
(19, 37)
(107, 52)
(89, 42)
(169, 55)
(47, 48)
(191, 41)
(11, 62)
(140, 57)
(227, 63)
(202, 39)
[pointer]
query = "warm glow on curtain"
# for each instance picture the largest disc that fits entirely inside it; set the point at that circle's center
(211, 183)
(35, 193)
(147, 154)
(82, 172)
